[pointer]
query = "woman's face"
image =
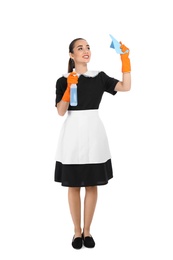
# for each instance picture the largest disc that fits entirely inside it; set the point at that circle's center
(81, 52)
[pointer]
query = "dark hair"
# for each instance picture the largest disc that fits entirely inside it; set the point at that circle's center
(71, 64)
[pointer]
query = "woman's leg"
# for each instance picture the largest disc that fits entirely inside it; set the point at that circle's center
(75, 209)
(89, 208)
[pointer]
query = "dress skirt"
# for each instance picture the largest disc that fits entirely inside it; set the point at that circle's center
(83, 156)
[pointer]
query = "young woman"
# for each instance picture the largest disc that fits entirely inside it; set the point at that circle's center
(83, 157)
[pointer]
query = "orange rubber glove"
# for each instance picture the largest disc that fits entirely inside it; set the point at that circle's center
(71, 79)
(126, 67)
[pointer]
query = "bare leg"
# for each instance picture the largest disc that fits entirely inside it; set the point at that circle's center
(75, 209)
(89, 208)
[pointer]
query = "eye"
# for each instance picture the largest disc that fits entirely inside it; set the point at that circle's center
(79, 49)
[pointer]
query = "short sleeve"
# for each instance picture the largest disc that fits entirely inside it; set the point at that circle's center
(61, 85)
(109, 83)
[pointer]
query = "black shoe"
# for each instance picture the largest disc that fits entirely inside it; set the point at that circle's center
(77, 242)
(88, 241)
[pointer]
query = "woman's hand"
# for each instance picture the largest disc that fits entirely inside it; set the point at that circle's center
(126, 66)
(71, 79)
(63, 105)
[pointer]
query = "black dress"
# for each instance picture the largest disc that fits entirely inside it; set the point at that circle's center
(83, 157)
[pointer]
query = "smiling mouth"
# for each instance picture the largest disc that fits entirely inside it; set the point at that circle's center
(86, 57)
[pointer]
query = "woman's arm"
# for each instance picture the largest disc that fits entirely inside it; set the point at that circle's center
(62, 107)
(125, 84)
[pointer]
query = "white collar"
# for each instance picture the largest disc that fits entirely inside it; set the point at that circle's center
(91, 73)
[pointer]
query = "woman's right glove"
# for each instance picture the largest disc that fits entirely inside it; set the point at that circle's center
(126, 67)
(71, 79)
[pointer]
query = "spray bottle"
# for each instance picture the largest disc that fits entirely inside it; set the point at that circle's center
(73, 95)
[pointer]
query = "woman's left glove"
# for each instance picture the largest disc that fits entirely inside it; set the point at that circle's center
(126, 66)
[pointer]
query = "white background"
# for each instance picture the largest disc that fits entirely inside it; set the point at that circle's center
(133, 218)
